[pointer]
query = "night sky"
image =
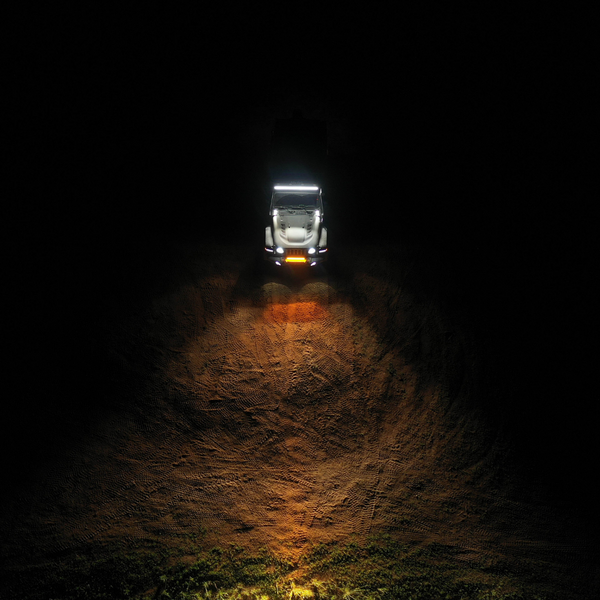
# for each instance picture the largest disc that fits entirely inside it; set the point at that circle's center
(464, 137)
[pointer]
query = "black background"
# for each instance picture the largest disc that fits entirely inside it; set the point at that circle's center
(463, 137)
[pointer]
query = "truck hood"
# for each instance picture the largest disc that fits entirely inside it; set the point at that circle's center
(296, 229)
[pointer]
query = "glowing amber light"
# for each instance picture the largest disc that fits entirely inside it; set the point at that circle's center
(296, 259)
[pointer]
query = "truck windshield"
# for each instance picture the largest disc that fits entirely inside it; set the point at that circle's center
(288, 200)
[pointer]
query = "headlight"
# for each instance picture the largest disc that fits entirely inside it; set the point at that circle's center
(311, 250)
(280, 250)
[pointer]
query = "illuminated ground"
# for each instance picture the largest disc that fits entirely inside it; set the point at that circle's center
(281, 411)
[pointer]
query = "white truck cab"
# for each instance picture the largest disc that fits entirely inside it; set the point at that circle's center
(296, 235)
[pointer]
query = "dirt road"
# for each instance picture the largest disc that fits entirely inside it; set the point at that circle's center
(280, 410)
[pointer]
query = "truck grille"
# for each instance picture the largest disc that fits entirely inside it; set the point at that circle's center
(296, 252)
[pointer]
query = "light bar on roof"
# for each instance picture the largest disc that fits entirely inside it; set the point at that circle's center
(298, 188)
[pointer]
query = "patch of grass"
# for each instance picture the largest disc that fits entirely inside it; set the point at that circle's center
(379, 569)
(114, 575)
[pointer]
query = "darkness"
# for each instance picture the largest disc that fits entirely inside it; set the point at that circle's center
(463, 138)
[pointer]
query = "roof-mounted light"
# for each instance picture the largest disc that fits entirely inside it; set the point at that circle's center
(297, 188)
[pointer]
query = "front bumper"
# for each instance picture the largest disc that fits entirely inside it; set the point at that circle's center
(295, 257)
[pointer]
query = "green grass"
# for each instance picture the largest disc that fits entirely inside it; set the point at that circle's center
(380, 569)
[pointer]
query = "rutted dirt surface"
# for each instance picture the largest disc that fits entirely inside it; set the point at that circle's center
(283, 411)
